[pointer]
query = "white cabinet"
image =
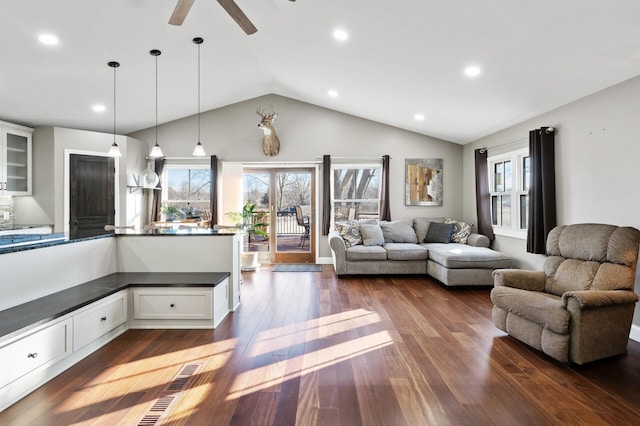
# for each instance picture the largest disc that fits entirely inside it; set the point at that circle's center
(28, 359)
(98, 319)
(15, 159)
(180, 307)
(38, 355)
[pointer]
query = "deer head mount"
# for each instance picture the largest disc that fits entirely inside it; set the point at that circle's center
(270, 141)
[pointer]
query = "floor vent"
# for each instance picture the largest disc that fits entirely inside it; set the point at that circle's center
(161, 407)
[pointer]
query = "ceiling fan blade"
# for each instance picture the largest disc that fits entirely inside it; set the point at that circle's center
(238, 15)
(180, 12)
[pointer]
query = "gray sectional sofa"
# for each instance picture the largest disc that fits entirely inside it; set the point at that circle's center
(415, 247)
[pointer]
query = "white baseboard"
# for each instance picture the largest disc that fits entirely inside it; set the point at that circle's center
(324, 260)
(635, 333)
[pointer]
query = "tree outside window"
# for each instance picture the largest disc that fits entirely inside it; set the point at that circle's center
(355, 192)
(188, 189)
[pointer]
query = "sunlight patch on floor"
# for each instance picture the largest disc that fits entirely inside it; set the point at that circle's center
(284, 337)
(263, 378)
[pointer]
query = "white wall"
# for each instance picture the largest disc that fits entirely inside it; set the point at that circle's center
(30, 274)
(597, 164)
(306, 133)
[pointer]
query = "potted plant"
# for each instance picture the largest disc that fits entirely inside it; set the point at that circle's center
(251, 223)
(169, 212)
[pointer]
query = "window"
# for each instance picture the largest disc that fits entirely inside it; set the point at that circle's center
(355, 192)
(509, 176)
(187, 188)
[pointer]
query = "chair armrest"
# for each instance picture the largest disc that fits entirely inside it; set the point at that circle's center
(517, 278)
(589, 299)
(478, 240)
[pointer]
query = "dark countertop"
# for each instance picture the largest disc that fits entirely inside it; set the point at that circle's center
(18, 319)
(95, 234)
(174, 232)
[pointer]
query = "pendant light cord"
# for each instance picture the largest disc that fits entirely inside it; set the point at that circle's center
(156, 99)
(198, 92)
(114, 104)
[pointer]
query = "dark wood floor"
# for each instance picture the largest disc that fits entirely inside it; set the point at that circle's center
(311, 349)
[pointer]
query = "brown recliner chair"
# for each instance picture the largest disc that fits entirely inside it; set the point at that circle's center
(580, 308)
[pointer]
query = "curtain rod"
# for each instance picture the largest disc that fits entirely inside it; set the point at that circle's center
(271, 163)
(548, 130)
(503, 144)
(357, 158)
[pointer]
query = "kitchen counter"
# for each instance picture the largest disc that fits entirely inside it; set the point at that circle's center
(174, 232)
(34, 241)
(19, 318)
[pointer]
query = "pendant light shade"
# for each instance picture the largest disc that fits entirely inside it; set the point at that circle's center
(114, 151)
(148, 178)
(199, 149)
(156, 151)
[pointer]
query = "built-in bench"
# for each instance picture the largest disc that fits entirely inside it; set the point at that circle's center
(42, 338)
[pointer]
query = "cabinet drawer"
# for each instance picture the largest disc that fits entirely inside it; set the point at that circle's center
(172, 304)
(100, 318)
(44, 346)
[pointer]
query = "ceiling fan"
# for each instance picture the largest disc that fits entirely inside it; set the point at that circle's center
(183, 6)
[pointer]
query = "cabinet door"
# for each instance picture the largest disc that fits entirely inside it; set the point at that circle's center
(16, 162)
(37, 349)
(99, 319)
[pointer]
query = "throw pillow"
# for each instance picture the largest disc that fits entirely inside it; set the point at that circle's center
(398, 231)
(421, 225)
(439, 233)
(350, 232)
(371, 235)
(461, 232)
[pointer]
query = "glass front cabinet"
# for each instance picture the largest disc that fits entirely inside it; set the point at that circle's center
(15, 159)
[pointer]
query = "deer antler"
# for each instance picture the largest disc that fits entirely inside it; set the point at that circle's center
(262, 113)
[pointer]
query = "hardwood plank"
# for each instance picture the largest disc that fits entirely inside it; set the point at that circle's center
(315, 349)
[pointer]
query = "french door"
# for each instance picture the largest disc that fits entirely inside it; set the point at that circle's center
(287, 236)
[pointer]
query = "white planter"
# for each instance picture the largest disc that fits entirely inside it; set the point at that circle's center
(249, 261)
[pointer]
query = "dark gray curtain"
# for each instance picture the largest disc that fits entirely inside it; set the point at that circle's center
(483, 195)
(385, 210)
(157, 195)
(326, 194)
(213, 190)
(542, 189)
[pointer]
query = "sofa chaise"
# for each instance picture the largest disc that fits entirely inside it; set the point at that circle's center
(442, 248)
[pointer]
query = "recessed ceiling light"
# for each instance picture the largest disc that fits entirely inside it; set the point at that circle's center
(48, 39)
(340, 35)
(472, 71)
(99, 108)
(333, 93)
(418, 117)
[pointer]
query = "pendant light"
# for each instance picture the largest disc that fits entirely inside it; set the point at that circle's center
(156, 151)
(199, 149)
(114, 151)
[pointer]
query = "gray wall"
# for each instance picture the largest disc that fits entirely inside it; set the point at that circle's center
(307, 132)
(597, 164)
(46, 205)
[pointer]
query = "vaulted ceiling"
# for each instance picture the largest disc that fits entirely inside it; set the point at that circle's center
(401, 58)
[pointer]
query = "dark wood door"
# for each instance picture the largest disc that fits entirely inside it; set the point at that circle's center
(91, 200)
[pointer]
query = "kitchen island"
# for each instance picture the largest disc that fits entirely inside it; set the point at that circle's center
(64, 299)
(35, 270)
